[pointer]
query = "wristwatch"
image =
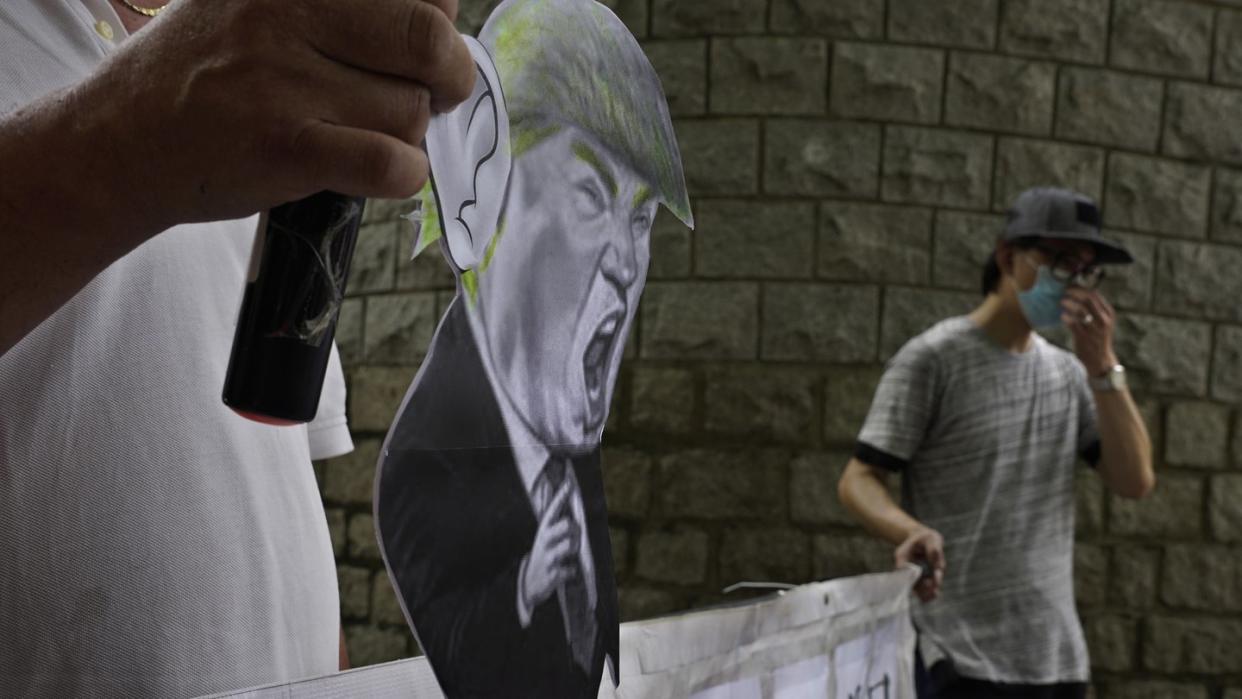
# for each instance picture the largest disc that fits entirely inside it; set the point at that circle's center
(1112, 380)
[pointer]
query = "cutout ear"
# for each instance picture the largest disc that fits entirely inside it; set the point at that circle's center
(468, 149)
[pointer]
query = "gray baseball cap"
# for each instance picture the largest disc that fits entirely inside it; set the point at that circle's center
(1063, 214)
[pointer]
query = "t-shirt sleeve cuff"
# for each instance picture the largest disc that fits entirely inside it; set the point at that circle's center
(870, 455)
(329, 439)
(1091, 454)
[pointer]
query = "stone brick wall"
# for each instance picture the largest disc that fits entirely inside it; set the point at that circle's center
(849, 160)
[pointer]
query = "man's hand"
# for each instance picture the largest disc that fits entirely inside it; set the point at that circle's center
(927, 545)
(1090, 319)
(553, 556)
(222, 108)
(218, 109)
(1125, 447)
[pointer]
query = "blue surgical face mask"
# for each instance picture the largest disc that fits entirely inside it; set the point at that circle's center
(1041, 304)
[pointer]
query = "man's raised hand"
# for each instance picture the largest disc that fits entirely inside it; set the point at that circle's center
(226, 107)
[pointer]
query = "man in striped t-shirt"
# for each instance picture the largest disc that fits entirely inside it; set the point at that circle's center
(985, 420)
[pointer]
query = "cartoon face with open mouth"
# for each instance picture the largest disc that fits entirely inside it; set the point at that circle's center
(558, 295)
(542, 198)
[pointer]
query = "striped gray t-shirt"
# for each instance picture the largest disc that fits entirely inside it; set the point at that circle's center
(987, 441)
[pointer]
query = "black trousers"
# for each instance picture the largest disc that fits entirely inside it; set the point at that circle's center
(941, 682)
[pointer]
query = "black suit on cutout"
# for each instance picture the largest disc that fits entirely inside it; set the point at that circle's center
(456, 521)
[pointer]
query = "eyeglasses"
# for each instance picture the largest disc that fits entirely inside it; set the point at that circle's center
(1066, 269)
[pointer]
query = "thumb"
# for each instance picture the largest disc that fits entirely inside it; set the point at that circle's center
(555, 505)
(902, 554)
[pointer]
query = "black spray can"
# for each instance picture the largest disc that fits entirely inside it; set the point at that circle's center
(288, 314)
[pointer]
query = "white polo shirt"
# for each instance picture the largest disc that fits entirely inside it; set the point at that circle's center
(152, 543)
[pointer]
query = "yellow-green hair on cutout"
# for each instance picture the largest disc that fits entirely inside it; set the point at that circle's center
(574, 63)
(429, 229)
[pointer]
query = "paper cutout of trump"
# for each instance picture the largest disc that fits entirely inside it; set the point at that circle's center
(489, 501)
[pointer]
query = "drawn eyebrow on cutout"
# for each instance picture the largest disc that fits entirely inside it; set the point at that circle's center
(589, 156)
(642, 196)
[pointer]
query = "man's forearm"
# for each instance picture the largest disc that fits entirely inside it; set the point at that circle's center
(63, 218)
(1125, 447)
(865, 495)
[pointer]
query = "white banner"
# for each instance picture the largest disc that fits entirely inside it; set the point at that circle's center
(849, 638)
